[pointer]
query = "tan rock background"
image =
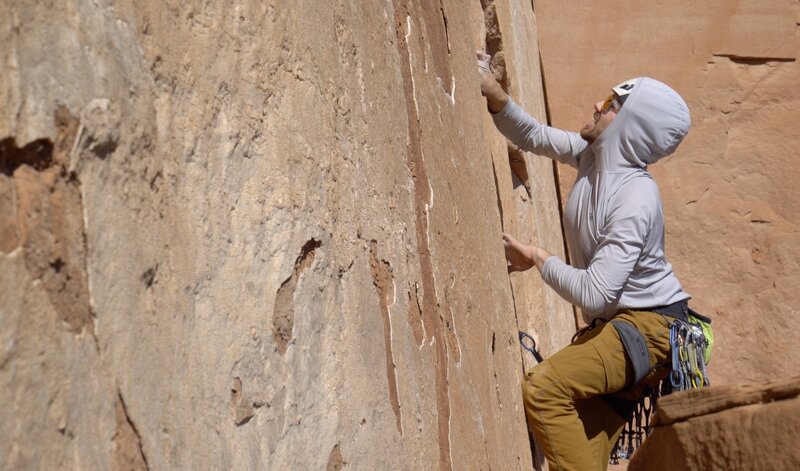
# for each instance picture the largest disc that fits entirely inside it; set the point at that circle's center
(730, 193)
(266, 235)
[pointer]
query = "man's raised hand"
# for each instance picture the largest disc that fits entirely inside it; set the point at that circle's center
(496, 98)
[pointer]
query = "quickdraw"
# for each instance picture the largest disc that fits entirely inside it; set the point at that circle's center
(638, 426)
(688, 344)
(534, 351)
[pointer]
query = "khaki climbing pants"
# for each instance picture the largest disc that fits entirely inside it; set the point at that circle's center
(577, 401)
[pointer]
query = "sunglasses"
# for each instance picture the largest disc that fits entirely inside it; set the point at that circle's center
(611, 102)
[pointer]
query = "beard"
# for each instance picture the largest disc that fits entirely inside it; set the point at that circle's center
(595, 126)
(588, 132)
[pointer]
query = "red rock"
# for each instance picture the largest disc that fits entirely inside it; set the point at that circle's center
(748, 427)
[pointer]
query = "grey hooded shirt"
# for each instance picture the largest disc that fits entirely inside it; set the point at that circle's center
(613, 219)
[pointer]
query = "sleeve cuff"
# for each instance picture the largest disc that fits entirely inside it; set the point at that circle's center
(505, 113)
(549, 269)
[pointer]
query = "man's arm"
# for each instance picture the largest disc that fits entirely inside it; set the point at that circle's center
(525, 131)
(597, 288)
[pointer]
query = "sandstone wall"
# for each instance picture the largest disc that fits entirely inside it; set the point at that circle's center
(266, 235)
(734, 427)
(730, 192)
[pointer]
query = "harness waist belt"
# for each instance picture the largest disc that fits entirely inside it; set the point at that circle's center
(678, 310)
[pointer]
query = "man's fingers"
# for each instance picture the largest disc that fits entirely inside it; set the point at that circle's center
(508, 239)
(483, 61)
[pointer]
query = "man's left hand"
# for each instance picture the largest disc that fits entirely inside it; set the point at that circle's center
(518, 255)
(521, 257)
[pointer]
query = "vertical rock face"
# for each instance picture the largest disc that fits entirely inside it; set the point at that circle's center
(266, 235)
(730, 192)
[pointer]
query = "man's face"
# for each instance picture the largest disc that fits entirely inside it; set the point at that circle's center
(604, 113)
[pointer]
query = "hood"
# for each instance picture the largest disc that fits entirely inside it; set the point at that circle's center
(650, 125)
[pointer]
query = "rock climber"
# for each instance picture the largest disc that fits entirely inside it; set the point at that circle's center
(577, 400)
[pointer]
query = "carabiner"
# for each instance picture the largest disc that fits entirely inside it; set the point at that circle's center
(532, 348)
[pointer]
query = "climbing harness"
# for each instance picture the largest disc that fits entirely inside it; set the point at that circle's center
(635, 349)
(690, 344)
(534, 351)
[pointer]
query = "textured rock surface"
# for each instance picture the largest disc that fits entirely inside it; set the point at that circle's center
(265, 235)
(526, 209)
(730, 192)
(725, 428)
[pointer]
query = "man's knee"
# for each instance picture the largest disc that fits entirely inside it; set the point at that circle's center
(540, 386)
